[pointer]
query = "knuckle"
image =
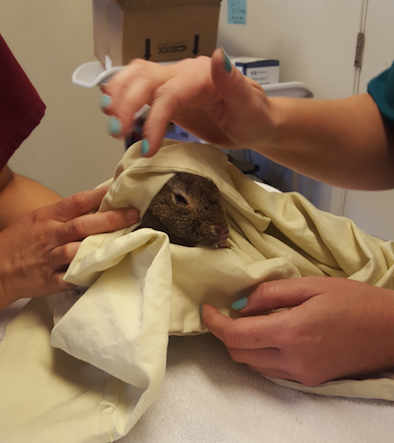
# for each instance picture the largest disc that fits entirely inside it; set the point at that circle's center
(138, 63)
(292, 336)
(75, 228)
(267, 290)
(79, 202)
(113, 219)
(66, 253)
(166, 91)
(231, 336)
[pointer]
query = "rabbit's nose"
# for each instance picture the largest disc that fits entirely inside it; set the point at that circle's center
(221, 233)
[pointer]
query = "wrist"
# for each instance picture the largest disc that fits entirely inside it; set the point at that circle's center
(272, 137)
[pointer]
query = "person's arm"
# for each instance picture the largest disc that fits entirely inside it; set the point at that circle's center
(19, 194)
(341, 142)
(40, 234)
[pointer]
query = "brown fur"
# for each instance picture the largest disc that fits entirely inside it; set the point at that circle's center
(189, 210)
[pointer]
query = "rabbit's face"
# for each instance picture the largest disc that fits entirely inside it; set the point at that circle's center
(190, 211)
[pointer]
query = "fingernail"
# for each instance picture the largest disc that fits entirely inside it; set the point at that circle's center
(201, 311)
(145, 146)
(115, 127)
(240, 304)
(228, 66)
(105, 101)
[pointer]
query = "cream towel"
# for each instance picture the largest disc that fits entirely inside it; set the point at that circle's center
(141, 288)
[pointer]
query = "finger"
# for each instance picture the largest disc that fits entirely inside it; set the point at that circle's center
(233, 87)
(278, 294)
(160, 115)
(246, 332)
(190, 86)
(77, 204)
(58, 284)
(130, 90)
(62, 256)
(171, 98)
(243, 101)
(100, 222)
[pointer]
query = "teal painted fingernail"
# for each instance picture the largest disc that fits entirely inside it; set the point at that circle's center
(145, 146)
(228, 66)
(105, 101)
(115, 127)
(240, 304)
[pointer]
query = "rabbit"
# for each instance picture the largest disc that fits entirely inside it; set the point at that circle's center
(189, 210)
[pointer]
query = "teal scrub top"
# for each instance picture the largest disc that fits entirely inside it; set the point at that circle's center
(381, 88)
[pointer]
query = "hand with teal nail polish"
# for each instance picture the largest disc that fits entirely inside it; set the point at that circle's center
(145, 146)
(217, 103)
(310, 329)
(190, 93)
(228, 66)
(240, 304)
(115, 126)
(105, 101)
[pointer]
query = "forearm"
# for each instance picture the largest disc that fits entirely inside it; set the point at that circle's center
(19, 195)
(341, 142)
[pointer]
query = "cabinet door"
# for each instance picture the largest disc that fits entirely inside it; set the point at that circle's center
(374, 211)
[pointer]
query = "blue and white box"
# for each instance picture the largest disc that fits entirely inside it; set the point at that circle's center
(263, 71)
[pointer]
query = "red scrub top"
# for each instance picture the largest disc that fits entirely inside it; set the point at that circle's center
(21, 108)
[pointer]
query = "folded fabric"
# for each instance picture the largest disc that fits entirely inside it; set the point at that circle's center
(141, 288)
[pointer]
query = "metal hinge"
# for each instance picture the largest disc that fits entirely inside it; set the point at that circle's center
(359, 49)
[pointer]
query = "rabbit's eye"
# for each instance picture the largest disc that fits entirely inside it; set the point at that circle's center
(181, 199)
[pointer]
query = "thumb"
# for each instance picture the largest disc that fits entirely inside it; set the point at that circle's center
(245, 114)
(278, 294)
(233, 86)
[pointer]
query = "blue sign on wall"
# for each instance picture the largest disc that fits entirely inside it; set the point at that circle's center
(236, 12)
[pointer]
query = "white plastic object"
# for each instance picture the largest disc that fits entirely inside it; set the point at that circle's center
(288, 89)
(92, 74)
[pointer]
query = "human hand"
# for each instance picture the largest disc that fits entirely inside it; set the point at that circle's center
(335, 328)
(36, 249)
(208, 97)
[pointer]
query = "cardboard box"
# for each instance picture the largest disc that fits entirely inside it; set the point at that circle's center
(156, 30)
(263, 71)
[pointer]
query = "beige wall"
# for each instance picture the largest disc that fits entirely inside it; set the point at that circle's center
(70, 150)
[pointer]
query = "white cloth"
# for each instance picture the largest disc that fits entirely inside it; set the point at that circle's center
(141, 288)
(206, 397)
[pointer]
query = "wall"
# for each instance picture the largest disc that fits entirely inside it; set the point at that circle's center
(70, 150)
(313, 39)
